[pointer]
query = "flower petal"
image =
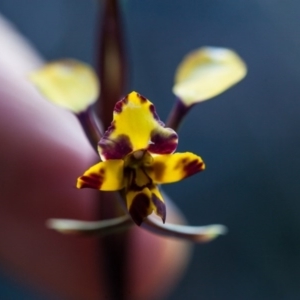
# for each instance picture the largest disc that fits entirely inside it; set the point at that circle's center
(136, 126)
(174, 167)
(141, 204)
(104, 176)
(198, 234)
(91, 228)
(67, 83)
(206, 73)
(158, 203)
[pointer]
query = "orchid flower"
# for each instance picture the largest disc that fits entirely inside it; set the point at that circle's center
(136, 150)
(136, 153)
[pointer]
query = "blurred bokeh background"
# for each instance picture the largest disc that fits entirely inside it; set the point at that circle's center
(248, 136)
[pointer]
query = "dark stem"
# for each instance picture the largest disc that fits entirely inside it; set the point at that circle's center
(111, 70)
(179, 110)
(91, 126)
(111, 63)
(115, 249)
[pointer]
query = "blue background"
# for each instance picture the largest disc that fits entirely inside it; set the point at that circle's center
(249, 136)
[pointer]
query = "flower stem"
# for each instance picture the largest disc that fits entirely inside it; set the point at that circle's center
(176, 115)
(91, 125)
(111, 62)
(111, 70)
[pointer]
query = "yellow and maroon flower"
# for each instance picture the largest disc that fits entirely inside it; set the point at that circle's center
(137, 156)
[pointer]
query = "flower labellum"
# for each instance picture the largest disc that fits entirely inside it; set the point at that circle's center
(137, 156)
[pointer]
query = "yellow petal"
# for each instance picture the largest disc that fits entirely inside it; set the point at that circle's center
(158, 203)
(174, 167)
(206, 73)
(142, 203)
(136, 126)
(67, 83)
(104, 176)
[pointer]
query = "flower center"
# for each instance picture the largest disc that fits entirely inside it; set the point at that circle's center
(135, 174)
(138, 159)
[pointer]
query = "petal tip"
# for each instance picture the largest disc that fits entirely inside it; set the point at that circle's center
(198, 234)
(93, 181)
(160, 207)
(61, 226)
(212, 232)
(206, 73)
(140, 208)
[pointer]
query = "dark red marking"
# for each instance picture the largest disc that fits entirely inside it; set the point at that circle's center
(110, 129)
(132, 185)
(142, 98)
(193, 167)
(181, 163)
(139, 208)
(163, 142)
(119, 105)
(160, 207)
(155, 115)
(115, 149)
(184, 161)
(159, 168)
(93, 181)
(125, 99)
